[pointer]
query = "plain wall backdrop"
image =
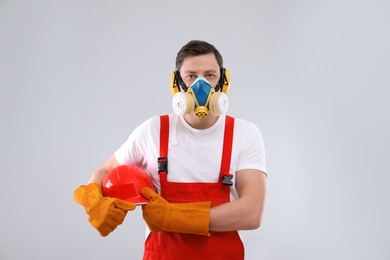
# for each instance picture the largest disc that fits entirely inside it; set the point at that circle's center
(77, 77)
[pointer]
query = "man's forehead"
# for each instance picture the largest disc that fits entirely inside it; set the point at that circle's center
(200, 60)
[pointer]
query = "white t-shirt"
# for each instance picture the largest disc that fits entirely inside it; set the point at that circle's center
(194, 155)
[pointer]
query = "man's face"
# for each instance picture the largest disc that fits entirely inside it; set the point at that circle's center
(200, 66)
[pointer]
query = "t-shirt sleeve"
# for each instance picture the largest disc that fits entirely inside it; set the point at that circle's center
(252, 150)
(130, 151)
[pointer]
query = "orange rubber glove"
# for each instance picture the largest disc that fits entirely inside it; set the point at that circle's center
(105, 213)
(190, 218)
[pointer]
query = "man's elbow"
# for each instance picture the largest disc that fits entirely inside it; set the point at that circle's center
(253, 222)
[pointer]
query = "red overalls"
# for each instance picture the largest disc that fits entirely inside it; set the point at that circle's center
(174, 246)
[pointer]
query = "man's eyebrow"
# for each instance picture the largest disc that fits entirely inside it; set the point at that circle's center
(210, 71)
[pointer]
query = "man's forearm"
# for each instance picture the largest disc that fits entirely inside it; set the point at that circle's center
(99, 174)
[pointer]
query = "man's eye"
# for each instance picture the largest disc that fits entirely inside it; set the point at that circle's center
(210, 75)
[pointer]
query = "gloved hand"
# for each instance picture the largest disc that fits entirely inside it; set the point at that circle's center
(105, 213)
(190, 218)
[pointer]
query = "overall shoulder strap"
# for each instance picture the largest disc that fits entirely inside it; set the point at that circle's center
(164, 139)
(164, 135)
(225, 176)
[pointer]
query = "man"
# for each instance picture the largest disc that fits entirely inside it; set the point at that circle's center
(208, 168)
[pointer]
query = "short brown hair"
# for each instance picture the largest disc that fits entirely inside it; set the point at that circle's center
(195, 48)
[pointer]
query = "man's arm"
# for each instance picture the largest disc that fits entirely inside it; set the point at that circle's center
(104, 213)
(246, 212)
(98, 175)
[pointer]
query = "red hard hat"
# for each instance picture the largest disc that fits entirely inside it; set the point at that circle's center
(125, 182)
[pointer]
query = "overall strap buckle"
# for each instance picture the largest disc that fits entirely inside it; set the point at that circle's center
(227, 179)
(162, 164)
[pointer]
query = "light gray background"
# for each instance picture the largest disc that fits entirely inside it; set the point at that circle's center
(78, 76)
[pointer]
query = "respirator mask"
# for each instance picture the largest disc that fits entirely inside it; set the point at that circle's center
(201, 97)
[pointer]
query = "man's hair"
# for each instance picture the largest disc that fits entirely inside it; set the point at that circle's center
(195, 48)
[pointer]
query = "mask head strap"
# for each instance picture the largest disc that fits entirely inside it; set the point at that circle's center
(224, 81)
(177, 82)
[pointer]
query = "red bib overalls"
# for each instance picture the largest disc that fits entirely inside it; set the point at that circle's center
(174, 246)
